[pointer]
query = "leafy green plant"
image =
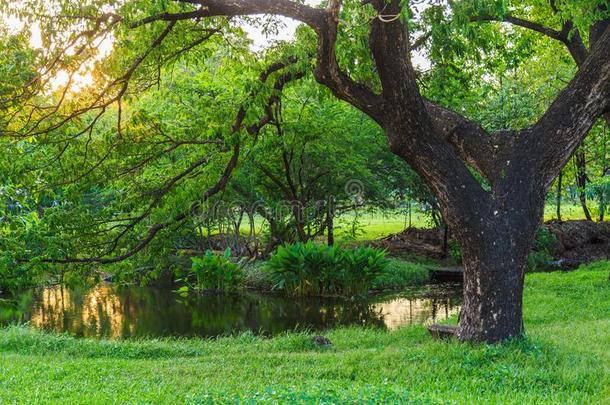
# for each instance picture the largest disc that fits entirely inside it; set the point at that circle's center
(308, 269)
(455, 251)
(361, 267)
(541, 258)
(214, 272)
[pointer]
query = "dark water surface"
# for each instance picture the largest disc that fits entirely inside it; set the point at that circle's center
(108, 310)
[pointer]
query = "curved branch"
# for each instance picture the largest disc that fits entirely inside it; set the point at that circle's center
(323, 21)
(231, 8)
(549, 32)
(328, 72)
(568, 120)
(573, 42)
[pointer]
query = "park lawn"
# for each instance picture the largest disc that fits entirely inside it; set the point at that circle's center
(373, 225)
(565, 359)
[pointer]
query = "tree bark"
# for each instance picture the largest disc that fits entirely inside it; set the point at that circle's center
(495, 259)
(492, 307)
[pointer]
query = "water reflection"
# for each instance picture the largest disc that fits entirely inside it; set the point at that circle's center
(122, 312)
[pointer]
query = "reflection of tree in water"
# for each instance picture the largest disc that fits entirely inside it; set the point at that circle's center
(422, 305)
(113, 311)
(276, 315)
(82, 312)
(401, 311)
(15, 310)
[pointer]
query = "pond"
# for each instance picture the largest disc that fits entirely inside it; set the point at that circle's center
(113, 311)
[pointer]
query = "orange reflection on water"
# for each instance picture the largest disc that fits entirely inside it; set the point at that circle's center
(401, 311)
(94, 312)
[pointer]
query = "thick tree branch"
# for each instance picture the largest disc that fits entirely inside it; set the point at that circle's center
(231, 8)
(568, 120)
(416, 130)
(329, 73)
(470, 141)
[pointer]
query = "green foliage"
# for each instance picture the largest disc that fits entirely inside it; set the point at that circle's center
(256, 277)
(541, 258)
(400, 274)
(455, 251)
(13, 277)
(216, 272)
(309, 269)
(600, 189)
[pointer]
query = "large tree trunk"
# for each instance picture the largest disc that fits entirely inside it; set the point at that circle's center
(495, 240)
(494, 268)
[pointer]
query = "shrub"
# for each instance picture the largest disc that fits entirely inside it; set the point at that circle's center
(256, 277)
(400, 274)
(538, 261)
(361, 267)
(541, 258)
(455, 251)
(545, 240)
(215, 272)
(309, 269)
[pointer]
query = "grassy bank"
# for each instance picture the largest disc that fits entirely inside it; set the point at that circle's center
(564, 360)
(376, 225)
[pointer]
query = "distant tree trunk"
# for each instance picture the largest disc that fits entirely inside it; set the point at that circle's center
(299, 221)
(558, 197)
(330, 218)
(581, 180)
(252, 239)
(201, 238)
(275, 237)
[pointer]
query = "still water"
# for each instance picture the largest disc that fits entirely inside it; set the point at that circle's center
(113, 311)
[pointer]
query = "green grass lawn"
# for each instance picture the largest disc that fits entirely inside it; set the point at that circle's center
(378, 224)
(570, 211)
(565, 359)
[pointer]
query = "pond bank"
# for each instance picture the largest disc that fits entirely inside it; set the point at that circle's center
(564, 360)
